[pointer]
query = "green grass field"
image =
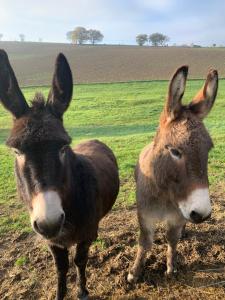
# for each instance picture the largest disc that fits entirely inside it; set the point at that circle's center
(124, 116)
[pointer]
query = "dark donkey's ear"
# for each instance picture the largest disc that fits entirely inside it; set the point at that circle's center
(176, 90)
(204, 100)
(62, 87)
(10, 93)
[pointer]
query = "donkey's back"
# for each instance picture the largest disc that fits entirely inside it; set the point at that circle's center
(105, 166)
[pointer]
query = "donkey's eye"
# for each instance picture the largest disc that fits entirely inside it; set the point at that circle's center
(63, 149)
(17, 152)
(175, 153)
(62, 152)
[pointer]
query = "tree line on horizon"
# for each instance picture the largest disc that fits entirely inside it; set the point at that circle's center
(155, 39)
(21, 38)
(81, 35)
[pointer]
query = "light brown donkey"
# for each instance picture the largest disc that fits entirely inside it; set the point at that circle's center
(171, 174)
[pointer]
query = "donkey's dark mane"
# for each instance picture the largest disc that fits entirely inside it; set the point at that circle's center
(39, 102)
(39, 125)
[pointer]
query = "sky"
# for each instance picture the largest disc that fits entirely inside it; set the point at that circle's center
(184, 22)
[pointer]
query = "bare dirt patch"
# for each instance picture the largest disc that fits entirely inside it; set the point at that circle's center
(34, 62)
(27, 270)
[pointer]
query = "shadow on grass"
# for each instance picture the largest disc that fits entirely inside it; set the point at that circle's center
(92, 131)
(110, 131)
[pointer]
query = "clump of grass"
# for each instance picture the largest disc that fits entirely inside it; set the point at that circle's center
(100, 243)
(44, 248)
(21, 261)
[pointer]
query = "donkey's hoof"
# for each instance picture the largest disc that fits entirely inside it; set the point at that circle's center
(131, 278)
(83, 296)
(171, 273)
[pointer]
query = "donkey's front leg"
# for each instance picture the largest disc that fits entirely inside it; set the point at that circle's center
(173, 235)
(145, 244)
(80, 260)
(60, 256)
(184, 232)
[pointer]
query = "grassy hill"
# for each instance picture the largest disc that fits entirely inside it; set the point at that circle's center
(33, 62)
(125, 116)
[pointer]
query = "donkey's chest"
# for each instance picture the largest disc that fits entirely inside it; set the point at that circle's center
(162, 214)
(64, 240)
(71, 235)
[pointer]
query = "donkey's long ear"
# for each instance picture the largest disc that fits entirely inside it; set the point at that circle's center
(10, 93)
(204, 100)
(62, 87)
(176, 90)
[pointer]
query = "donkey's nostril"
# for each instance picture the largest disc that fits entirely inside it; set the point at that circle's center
(35, 225)
(39, 227)
(196, 217)
(62, 217)
(49, 229)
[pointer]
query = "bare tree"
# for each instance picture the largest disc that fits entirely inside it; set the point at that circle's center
(95, 36)
(141, 39)
(79, 35)
(158, 39)
(1, 36)
(22, 37)
(69, 36)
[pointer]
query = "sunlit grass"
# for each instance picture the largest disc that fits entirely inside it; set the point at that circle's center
(125, 117)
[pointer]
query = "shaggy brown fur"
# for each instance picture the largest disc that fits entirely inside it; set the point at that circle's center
(85, 180)
(174, 166)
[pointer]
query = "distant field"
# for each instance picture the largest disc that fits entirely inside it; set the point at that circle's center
(33, 62)
(125, 116)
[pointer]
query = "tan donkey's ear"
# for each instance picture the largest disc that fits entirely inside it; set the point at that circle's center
(205, 98)
(10, 94)
(176, 90)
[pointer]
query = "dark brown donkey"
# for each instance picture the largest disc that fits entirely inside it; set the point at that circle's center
(171, 174)
(66, 191)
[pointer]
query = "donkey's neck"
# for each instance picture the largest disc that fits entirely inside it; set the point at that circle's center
(80, 188)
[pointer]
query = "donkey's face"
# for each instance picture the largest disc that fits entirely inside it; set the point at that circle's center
(40, 143)
(182, 145)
